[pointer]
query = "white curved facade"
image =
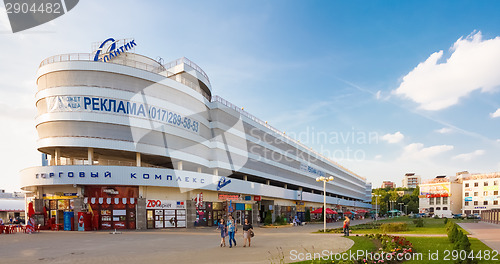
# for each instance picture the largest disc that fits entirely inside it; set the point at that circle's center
(156, 129)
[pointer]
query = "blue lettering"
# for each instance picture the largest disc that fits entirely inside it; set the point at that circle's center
(37, 175)
(103, 105)
(187, 179)
(145, 176)
(127, 46)
(157, 177)
(51, 175)
(121, 106)
(132, 43)
(82, 174)
(112, 47)
(95, 104)
(179, 179)
(61, 174)
(132, 176)
(141, 110)
(86, 101)
(169, 177)
(194, 179)
(106, 58)
(114, 104)
(44, 175)
(202, 181)
(107, 174)
(94, 175)
(131, 108)
(70, 174)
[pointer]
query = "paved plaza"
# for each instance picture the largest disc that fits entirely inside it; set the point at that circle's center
(200, 245)
(486, 232)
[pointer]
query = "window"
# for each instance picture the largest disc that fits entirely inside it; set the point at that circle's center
(431, 201)
(445, 201)
(476, 203)
(445, 208)
(485, 203)
(495, 182)
(495, 202)
(466, 185)
(438, 208)
(476, 184)
(438, 200)
(495, 193)
(466, 203)
(475, 193)
(485, 183)
(485, 193)
(466, 193)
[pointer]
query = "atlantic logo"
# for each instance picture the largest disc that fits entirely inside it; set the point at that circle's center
(25, 14)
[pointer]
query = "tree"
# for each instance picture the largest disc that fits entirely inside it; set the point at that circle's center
(308, 215)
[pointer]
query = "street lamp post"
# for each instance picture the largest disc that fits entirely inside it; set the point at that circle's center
(324, 180)
(400, 208)
(376, 205)
(406, 209)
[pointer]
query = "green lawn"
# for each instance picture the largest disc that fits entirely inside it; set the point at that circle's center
(440, 244)
(431, 226)
(360, 243)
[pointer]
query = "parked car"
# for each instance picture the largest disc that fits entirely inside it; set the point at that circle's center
(458, 216)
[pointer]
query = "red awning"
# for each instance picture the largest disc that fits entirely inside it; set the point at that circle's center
(317, 211)
(330, 211)
(348, 212)
(320, 210)
(362, 211)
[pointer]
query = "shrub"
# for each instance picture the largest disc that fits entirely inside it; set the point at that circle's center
(277, 220)
(268, 219)
(419, 222)
(449, 226)
(453, 233)
(436, 217)
(394, 227)
(308, 215)
(462, 244)
(445, 220)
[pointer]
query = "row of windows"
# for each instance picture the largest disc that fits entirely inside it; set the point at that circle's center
(476, 184)
(438, 208)
(485, 193)
(437, 200)
(484, 203)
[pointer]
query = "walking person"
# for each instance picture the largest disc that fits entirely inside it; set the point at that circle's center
(223, 232)
(231, 230)
(247, 233)
(347, 222)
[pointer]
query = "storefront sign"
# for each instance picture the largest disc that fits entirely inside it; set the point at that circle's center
(490, 188)
(257, 198)
(58, 196)
(305, 167)
(232, 197)
(479, 207)
(110, 191)
(468, 199)
(138, 109)
(248, 207)
(248, 198)
(434, 189)
(223, 181)
(165, 204)
(107, 50)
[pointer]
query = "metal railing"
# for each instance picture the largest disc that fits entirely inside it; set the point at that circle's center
(191, 64)
(240, 110)
(126, 62)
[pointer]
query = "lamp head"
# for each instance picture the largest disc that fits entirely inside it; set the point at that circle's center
(331, 178)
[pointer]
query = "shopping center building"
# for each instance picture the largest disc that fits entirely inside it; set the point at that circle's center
(144, 144)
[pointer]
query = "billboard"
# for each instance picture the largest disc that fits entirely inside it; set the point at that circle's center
(436, 188)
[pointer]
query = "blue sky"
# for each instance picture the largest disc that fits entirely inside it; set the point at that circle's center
(344, 68)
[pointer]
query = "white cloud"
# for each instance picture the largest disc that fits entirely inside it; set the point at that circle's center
(444, 130)
(393, 138)
(378, 94)
(496, 113)
(473, 65)
(469, 156)
(416, 151)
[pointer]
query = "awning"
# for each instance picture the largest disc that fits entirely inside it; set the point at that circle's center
(12, 205)
(320, 210)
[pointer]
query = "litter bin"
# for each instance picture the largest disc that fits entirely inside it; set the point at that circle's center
(68, 220)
